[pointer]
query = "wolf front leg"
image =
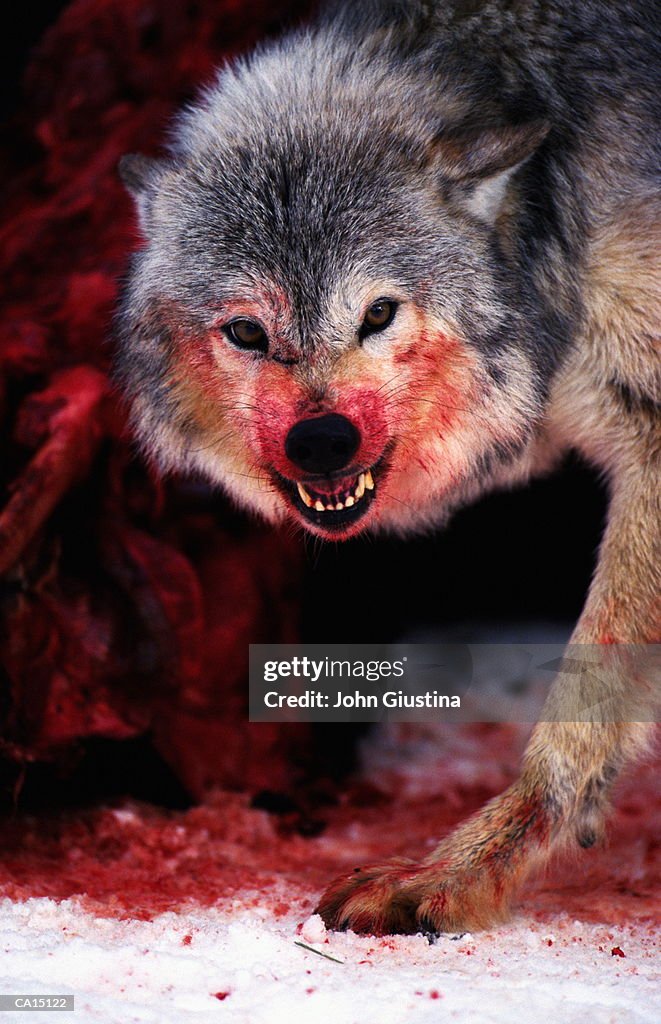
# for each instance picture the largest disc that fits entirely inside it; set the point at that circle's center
(598, 716)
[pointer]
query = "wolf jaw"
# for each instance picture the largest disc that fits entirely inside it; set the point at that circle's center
(331, 504)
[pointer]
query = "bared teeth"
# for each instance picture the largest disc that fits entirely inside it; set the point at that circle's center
(305, 497)
(365, 482)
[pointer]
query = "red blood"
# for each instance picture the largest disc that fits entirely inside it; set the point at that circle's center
(187, 939)
(616, 951)
(149, 861)
(281, 403)
(221, 995)
(134, 606)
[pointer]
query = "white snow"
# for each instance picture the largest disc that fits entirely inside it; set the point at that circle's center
(122, 972)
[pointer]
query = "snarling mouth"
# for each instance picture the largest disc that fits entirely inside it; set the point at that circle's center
(333, 503)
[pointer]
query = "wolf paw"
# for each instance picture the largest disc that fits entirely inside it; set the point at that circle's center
(464, 885)
(381, 899)
(402, 897)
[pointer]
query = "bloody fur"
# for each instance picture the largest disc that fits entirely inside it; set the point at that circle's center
(490, 169)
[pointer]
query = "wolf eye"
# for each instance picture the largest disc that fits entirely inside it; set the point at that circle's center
(247, 334)
(379, 316)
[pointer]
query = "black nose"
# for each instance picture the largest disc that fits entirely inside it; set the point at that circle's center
(322, 445)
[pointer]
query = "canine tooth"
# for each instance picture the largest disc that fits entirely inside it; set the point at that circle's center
(349, 502)
(305, 497)
(330, 508)
(360, 489)
(369, 482)
(339, 506)
(319, 507)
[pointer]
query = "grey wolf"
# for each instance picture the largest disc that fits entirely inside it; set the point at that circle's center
(405, 255)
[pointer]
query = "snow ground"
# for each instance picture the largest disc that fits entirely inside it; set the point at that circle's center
(170, 917)
(238, 963)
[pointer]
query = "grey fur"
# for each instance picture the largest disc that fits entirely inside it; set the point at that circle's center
(325, 155)
(493, 167)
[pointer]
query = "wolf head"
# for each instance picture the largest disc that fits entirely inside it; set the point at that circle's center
(324, 318)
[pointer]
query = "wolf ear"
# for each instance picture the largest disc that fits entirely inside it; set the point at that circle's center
(140, 175)
(477, 164)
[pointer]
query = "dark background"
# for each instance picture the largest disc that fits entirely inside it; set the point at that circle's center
(19, 36)
(521, 557)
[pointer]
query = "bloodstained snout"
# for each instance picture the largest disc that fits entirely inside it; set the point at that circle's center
(322, 444)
